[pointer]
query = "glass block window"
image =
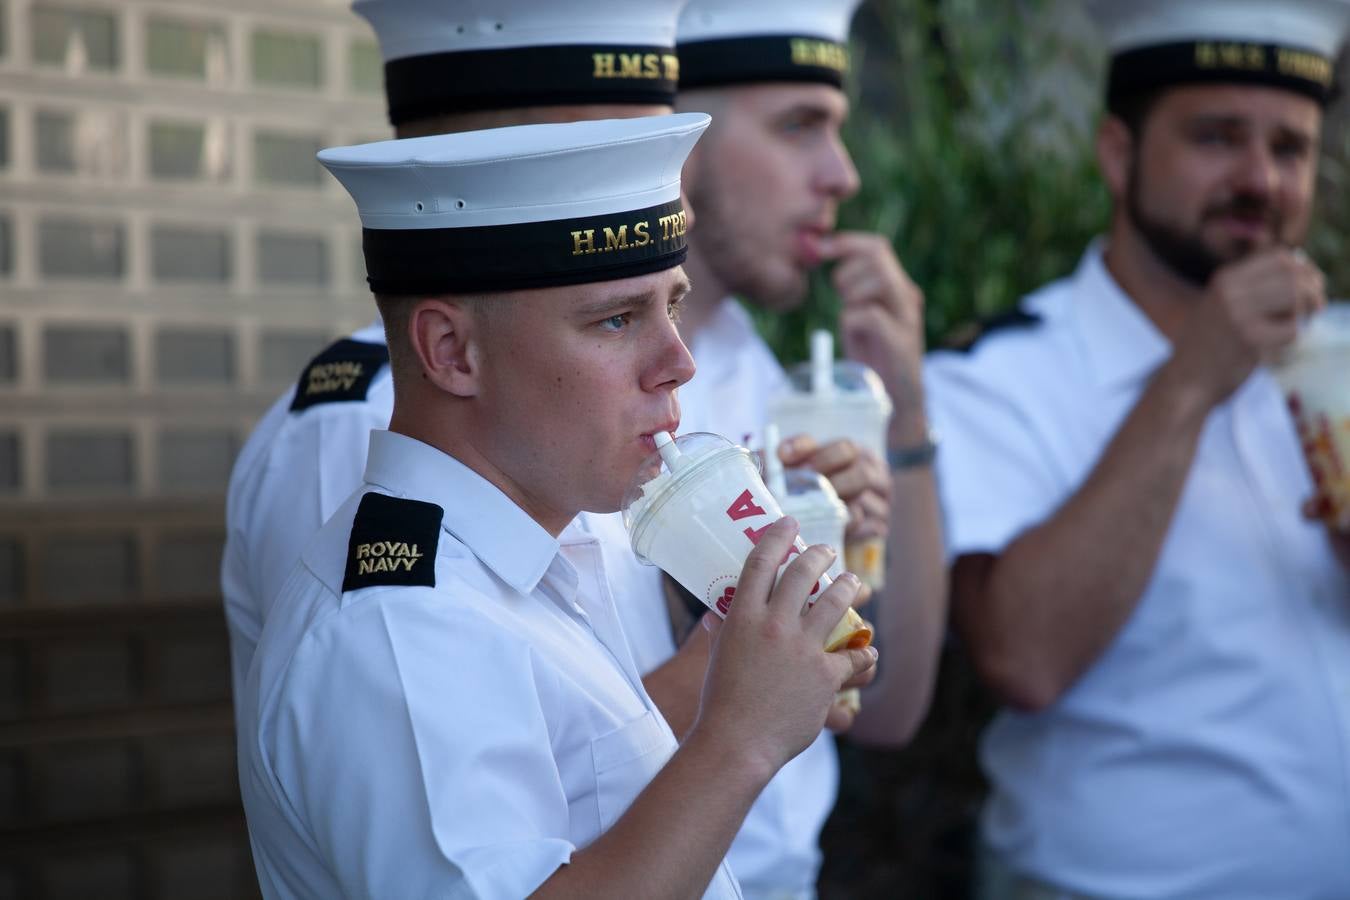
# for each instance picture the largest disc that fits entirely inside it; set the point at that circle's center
(9, 354)
(185, 253)
(71, 248)
(11, 476)
(287, 59)
(189, 150)
(55, 136)
(286, 158)
(190, 356)
(285, 258)
(365, 67)
(90, 459)
(86, 354)
(196, 460)
(77, 40)
(176, 48)
(286, 353)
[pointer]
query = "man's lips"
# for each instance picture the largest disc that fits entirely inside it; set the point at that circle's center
(806, 244)
(649, 441)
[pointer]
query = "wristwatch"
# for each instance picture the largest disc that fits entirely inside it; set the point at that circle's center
(915, 455)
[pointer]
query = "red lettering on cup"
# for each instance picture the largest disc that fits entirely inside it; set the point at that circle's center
(724, 601)
(743, 507)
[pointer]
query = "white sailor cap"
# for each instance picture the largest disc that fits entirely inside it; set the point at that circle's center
(726, 42)
(1290, 44)
(449, 56)
(523, 207)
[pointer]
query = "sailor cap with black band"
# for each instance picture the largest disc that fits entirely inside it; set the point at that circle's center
(1289, 44)
(450, 56)
(531, 206)
(729, 42)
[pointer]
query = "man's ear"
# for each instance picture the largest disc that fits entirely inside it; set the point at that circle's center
(445, 344)
(1115, 155)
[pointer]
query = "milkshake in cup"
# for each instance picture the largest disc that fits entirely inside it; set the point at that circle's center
(809, 498)
(696, 509)
(1315, 375)
(831, 401)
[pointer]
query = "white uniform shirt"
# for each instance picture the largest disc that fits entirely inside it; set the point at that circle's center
(777, 852)
(293, 472)
(1207, 751)
(455, 740)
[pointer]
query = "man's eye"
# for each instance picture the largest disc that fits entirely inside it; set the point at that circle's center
(673, 310)
(616, 323)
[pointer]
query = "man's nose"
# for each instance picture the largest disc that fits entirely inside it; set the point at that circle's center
(672, 364)
(836, 175)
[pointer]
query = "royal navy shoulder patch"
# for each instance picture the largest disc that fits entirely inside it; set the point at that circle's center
(393, 542)
(341, 372)
(965, 338)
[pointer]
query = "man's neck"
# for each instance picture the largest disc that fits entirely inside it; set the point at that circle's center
(706, 293)
(1163, 296)
(428, 424)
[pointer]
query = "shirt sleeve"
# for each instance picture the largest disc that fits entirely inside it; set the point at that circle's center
(994, 474)
(417, 753)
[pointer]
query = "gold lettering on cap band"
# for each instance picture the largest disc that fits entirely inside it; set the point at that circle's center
(1242, 57)
(1301, 64)
(825, 54)
(650, 66)
(618, 237)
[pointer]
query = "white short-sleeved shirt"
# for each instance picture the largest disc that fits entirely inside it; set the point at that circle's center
(777, 852)
(1206, 753)
(294, 471)
(460, 736)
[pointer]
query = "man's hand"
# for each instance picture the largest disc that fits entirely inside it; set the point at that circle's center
(881, 322)
(770, 683)
(1250, 309)
(858, 477)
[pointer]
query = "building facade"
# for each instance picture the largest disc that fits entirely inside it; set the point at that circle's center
(170, 256)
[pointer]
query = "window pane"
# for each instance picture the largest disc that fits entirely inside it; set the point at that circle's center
(190, 254)
(55, 142)
(196, 460)
(286, 158)
(9, 358)
(11, 572)
(106, 571)
(74, 353)
(292, 259)
(185, 49)
(287, 59)
(77, 40)
(285, 354)
(72, 249)
(366, 67)
(4, 130)
(6, 245)
(10, 477)
(194, 357)
(188, 565)
(93, 459)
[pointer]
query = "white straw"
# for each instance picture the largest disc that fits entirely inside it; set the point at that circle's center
(822, 362)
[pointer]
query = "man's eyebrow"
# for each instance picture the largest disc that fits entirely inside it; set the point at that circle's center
(609, 304)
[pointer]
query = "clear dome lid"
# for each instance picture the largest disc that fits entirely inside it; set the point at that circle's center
(672, 465)
(841, 380)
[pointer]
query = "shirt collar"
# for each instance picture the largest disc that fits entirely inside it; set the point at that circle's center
(1123, 346)
(372, 333)
(497, 531)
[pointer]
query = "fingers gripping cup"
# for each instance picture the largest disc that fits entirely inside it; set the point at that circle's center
(1315, 375)
(696, 509)
(831, 401)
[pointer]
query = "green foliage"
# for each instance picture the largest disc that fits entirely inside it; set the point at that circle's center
(1331, 224)
(986, 189)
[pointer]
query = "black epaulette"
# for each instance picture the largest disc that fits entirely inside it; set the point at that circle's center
(393, 542)
(341, 372)
(964, 339)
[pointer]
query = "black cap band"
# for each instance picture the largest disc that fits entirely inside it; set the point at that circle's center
(419, 87)
(422, 262)
(743, 60)
(1232, 62)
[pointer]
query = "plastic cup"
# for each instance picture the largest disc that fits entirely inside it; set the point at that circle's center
(696, 509)
(1315, 375)
(832, 400)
